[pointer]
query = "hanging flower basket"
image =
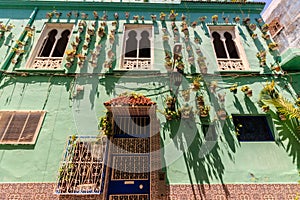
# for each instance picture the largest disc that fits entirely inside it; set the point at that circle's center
(172, 15)
(273, 46)
(204, 111)
(202, 19)
(233, 88)
(247, 91)
(252, 27)
(265, 28)
(214, 19)
(265, 108)
(237, 19)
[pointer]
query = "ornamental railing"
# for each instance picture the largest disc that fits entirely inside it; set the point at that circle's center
(230, 64)
(137, 63)
(82, 168)
(46, 63)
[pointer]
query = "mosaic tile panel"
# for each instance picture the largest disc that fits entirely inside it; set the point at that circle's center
(45, 191)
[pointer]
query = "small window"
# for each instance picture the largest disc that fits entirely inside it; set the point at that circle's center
(20, 127)
(138, 47)
(252, 128)
(50, 47)
(228, 50)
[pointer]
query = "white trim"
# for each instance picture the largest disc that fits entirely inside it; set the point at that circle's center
(138, 28)
(238, 46)
(60, 27)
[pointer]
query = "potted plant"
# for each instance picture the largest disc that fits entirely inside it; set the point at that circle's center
(273, 46)
(91, 31)
(265, 108)
(202, 19)
(246, 21)
(233, 88)
(252, 27)
(265, 28)
(214, 19)
(172, 15)
(196, 84)
(254, 36)
(204, 111)
(281, 116)
(162, 16)
(266, 36)
(136, 19)
(247, 91)
(101, 32)
(81, 57)
(70, 55)
(170, 115)
(170, 102)
(276, 68)
(200, 101)
(237, 19)
(194, 24)
(153, 17)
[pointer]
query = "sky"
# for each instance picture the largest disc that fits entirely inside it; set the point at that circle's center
(267, 3)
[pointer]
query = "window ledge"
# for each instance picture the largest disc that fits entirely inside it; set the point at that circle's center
(237, 72)
(40, 70)
(137, 71)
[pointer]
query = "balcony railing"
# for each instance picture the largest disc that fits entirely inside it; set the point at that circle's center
(230, 64)
(46, 63)
(137, 63)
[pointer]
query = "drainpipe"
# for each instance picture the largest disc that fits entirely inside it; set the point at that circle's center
(22, 36)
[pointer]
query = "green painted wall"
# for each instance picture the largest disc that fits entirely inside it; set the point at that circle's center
(229, 161)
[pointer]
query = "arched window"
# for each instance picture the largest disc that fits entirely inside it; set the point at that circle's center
(230, 45)
(131, 45)
(50, 47)
(229, 51)
(144, 46)
(137, 50)
(61, 44)
(219, 46)
(48, 44)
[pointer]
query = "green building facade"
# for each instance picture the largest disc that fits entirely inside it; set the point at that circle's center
(192, 93)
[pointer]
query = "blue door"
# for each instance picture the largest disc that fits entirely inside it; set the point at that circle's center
(129, 176)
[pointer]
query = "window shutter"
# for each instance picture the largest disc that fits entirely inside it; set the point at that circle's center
(20, 127)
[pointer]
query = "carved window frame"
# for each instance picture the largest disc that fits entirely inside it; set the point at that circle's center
(137, 63)
(229, 64)
(49, 62)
